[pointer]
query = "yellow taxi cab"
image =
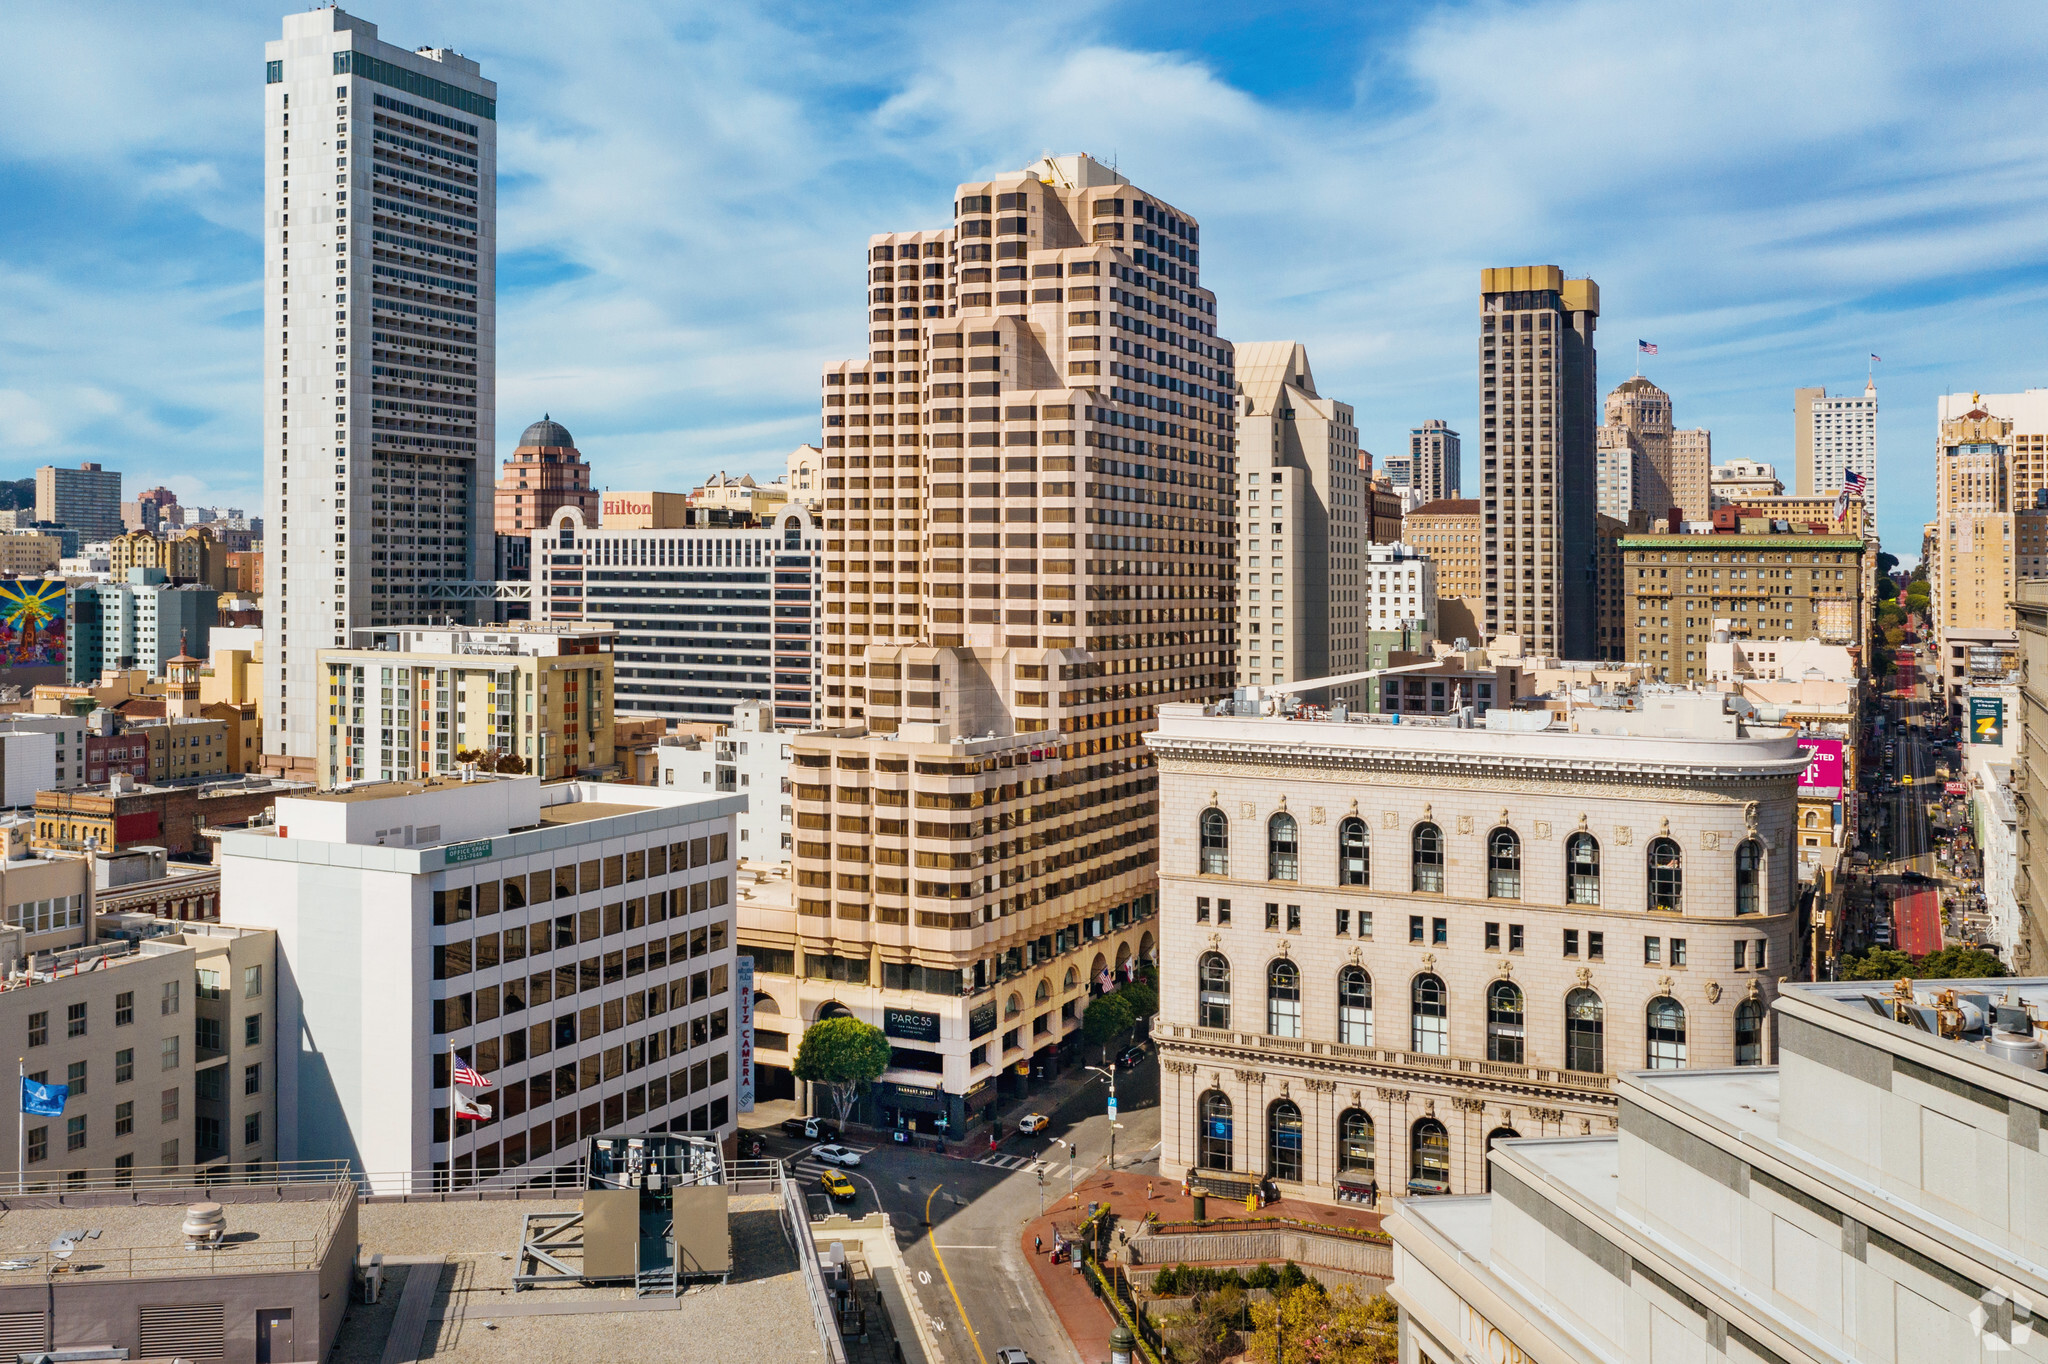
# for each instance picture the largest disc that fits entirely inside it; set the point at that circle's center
(837, 1185)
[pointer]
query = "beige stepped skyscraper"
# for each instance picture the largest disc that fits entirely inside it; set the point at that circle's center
(1029, 516)
(1538, 376)
(1671, 468)
(1303, 500)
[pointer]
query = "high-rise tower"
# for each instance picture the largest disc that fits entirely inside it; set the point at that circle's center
(1433, 462)
(381, 170)
(1539, 414)
(1029, 520)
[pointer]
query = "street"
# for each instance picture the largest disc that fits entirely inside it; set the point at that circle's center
(968, 1274)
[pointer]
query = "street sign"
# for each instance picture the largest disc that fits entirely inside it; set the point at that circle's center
(1112, 1108)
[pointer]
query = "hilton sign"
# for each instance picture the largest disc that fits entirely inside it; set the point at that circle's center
(644, 511)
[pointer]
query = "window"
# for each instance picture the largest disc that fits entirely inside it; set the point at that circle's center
(1215, 1123)
(74, 1020)
(1749, 1032)
(1439, 931)
(38, 1029)
(1504, 1023)
(1429, 1157)
(74, 1133)
(1428, 859)
(1283, 999)
(74, 1079)
(1678, 951)
(124, 1008)
(207, 1034)
(1653, 951)
(1354, 1007)
(1215, 991)
(1514, 937)
(1492, 936)
(1664, 1022)
(1741, 953)
(1354, 1142)
(124, 1118)
(1584, 1032)
(167, 1106)
(1201, 909)
(1414, 928)
(252, 1128)
(1354, 854)
(1748, 881)
(1283, 849)
(1429, 1031)
(1503, 865)
(207, 985)
(1667, 876)
(1273, 916)
(38, 1144)
(252, 1079)
(1571, 942)
(252, 1030)
(252, 980)
(169, 1003)
(1582, 869)
(124, 1065)
(170, 1053)
(1596, 944)
(1283, 1141)
(1215, 844)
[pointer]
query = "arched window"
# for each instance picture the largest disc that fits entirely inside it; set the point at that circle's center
(1667, 876)
(1493, 1139)
(1429, 1157)
(1213, 1114)
(1354, 1142)
(1749, 1033)
(1354, 854)
(1813, 819)
(1504, 1022)
(1354, 1007)
(1430, 1030)
(1585, 1027)
(1283, 849)
(1664, 1024)
(1429, 858)
(1503, 865)
(1283, 1141)
(1749, 858)
(1283, 999)
(1582, 869)
(1215, 990)
(1073, 979)
(1013, 1006)
(1215, 843)
(1044, 991)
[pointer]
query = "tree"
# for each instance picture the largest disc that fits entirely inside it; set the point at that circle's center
(1959, 962)
(1107, 1016)
(1321, 1327)
(1142, 998)
(1208, 1333)
(1887, 564)
(1879, 963)
(845, 1055)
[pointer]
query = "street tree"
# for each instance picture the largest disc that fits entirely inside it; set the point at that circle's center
(1107, 1016)
(845, 1055)
(1324, 1327)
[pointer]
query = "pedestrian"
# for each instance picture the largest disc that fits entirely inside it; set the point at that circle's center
(1037, 1244)
(1148, 1191)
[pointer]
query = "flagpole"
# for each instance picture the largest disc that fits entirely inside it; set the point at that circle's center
(21, 1127)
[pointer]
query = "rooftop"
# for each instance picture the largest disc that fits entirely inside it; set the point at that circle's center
(576, 812)
(138, 1231)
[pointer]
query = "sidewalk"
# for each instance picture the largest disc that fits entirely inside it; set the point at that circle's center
(1086, 1318)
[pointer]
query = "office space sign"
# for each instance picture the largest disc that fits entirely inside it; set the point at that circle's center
(744, 1087)
(1987, 720)
(1823, 774)
(466, 852)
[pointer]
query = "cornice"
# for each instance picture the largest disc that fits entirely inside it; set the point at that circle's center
(1184, 754)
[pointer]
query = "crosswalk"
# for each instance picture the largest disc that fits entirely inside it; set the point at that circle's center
(808, 1166)
(1051, 1169)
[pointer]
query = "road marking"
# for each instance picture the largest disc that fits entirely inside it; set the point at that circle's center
(972, 1338)
(924, 1276)
(967, 1247)
(905, 1187)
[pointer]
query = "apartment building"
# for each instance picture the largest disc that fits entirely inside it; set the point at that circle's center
(66, 755)
(571, 942)
(1623, 478)
(1682, 589)
(534, 696)
(1400, 590)
(1305, 506)
(1741, 479)
(1001, 618)
(1983, 536)
(546, 473)
(29, 554)
(1430, 469)
(384, 479)
(1449, 533)
(2029, 767)
(1540, 418)
(1832, 436)
(191, 556)
(1833, 1206)
(140, 624)
(86, 499)
(1471, 932)
(746, 758)
(711, 611)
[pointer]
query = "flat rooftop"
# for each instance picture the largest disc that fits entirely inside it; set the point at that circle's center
(576, 812)
(146, 1240)
(387, 790)
(762, 1315)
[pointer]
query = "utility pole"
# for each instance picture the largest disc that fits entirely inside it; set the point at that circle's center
(1114, 1126)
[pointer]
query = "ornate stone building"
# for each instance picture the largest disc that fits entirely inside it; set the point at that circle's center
(1386, 947)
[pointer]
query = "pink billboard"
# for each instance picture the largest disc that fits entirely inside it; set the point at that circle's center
(1823, 774)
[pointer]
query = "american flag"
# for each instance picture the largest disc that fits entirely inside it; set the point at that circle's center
(1852, 482)
(468, 1078)
(1646, 347)
(1878, 358)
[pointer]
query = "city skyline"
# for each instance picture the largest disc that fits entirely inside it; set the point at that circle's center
(135, 276)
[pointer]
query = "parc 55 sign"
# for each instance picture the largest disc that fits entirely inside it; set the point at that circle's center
(1823, 774)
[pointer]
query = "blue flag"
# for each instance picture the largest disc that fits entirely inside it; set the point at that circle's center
(44, 1099)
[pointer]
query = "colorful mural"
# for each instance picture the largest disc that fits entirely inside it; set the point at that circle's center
(31, 630)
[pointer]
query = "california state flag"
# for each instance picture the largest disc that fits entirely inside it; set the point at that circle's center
(466, 1107)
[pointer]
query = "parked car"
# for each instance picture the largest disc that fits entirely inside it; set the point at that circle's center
(836, 1155)
(1032, 1122)
(837, 1185)
(1130, 1056)
(810, 1129)
(1012, 1355)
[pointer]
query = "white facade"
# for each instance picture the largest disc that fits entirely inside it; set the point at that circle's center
(1304, 521)
(1876, 1197)
(28, 764)
(573, 942)
(67, 756)
(1400, 587)
(395, 293)
(1770, 660)
(749, 759)
(1842, 431)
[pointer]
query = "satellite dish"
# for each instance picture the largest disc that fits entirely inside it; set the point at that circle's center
(65, 1245)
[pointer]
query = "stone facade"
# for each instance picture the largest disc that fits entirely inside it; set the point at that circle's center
(1453, 1079)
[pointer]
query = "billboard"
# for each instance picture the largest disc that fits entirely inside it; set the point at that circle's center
(1987, 720)
(743, 1083)
(32, 631)
(1823, 774)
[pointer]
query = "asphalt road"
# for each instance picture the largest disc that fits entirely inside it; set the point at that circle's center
(965, 1267)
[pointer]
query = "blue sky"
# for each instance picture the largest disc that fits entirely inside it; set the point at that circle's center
(1768, 192)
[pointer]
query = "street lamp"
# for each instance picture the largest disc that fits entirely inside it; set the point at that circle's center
(1114, 1126)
